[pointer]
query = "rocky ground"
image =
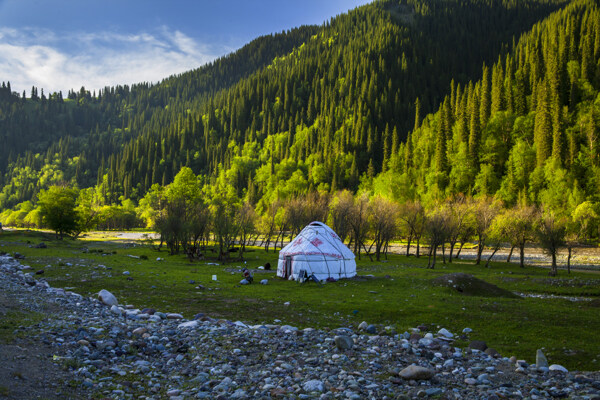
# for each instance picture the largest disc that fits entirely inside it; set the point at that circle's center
(91, 348)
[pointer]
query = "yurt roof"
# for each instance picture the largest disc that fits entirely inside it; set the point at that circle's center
(317, 239)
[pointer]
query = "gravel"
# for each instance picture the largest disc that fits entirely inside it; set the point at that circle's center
(124, 353)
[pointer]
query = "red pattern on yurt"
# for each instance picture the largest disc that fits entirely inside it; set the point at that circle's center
(316, 242)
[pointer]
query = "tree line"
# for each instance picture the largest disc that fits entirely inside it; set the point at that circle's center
(206, 219)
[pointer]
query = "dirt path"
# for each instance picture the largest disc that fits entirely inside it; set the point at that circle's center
(26, 367)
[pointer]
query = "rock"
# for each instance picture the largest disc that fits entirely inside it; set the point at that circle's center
(115, 310)
(363, 326)
(188, 325)
(560, 368)
(126, 273)
(244, 282)
(192, 282)
(314, 385)
(343, 342)
(149, 311)
(433, 391)
(39, 272)
(174, 316)
(372, 329)
(417, 373)
(107, 298)
(471, 381)
(445, 333)
(139, 331)
(264, 281)
(466, 331)
(540, 359)
(41, 245)
(492, 352)
(478, 345)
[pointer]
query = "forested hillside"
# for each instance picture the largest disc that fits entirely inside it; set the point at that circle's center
(313, 108)
(335, 127)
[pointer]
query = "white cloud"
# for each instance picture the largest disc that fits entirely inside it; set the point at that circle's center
(62, 61)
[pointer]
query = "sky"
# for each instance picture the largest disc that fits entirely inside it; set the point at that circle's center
(59, 45)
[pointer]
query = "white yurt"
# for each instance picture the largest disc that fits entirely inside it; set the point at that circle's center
(318, 251)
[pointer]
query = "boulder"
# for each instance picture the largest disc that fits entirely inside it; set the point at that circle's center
(478, 345)
(416, 373)
(107, 298)
(540, 359)
(343, 342)
(314, 385)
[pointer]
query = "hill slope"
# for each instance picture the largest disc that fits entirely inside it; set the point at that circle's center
(334, 102)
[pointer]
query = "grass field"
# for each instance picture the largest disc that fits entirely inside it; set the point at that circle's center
(400, 294)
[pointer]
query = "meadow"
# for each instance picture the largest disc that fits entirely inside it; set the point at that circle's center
(395, 294)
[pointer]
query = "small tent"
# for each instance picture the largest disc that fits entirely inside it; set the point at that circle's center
(318, 251)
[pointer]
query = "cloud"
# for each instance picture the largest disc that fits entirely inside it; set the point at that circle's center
(61, 61)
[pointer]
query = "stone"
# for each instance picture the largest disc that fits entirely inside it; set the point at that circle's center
(314, 385)
(115, 310)
(174, 316)
(417, 373)
(343, 342)
(372, 329)
(559, 368)
(139, 331)
(540, 359)
(188, 325)
(492, 352)
(445, 333)
(244, 282)
(41, 245)
(478, 345)
(107, 298)
(471, 381)
(466, 331)
(264, 281)
(126, 273)
(149, 311)
(363, 326)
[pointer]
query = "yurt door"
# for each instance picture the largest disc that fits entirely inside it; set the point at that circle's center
(288, 266)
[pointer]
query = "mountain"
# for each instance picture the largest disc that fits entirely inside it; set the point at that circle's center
(311, 108)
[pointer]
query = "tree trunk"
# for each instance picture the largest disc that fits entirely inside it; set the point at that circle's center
(510, 254)
(408, 246)
(479, 251)
(459, 249)
(554, 271)
(429, 257)
(418, 247)
(443, 253)
(487, 264)
(570, 248)
(522, 255)
(434, 256)
(452, 244)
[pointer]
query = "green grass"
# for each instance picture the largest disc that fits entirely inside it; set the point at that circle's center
(400, 295)
(12, 321)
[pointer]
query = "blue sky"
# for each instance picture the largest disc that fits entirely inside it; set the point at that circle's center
(64, 44)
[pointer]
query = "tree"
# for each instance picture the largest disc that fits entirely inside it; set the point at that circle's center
(551, 235)
(436, 228)
(522, 224)
(359, 222)
(57, 205)
(340, 210)
(485, 212)
(382, 215)
(412, 214)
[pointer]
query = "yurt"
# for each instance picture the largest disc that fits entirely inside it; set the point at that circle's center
(317, 251)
